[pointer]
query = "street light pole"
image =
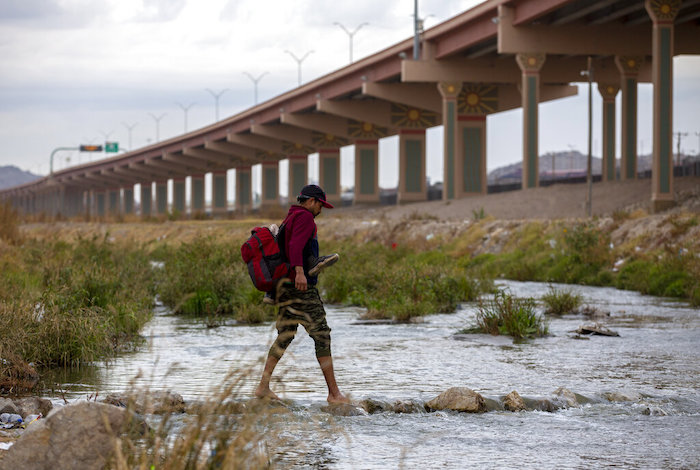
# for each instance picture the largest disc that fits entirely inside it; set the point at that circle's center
(416, 31)
(129, 127)
(350, 34)
(186, 109)
(299, 61)
(157, 119)
(255, 83)
(216, 99)
(589, 171)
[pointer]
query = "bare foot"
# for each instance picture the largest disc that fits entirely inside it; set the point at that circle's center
(337, 398)
(266, 393)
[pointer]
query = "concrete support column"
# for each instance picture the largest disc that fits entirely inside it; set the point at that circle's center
(146, 199)
(412, 182)
(452, 164)
(608, 91)
(530, 65)
(179, 196)
(197, 192)
(270, 184)
(629, 70)
(219, 199)
(161, 197)
(298, 175)
(244, 189)
(100, 203)
(113, 206)
(471, 151)
(366, 172)
(129, 200)
(662, 13)
(329, 174)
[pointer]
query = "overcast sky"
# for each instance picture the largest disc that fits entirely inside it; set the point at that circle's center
(80, 71)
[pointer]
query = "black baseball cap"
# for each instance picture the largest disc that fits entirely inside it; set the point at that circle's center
(315, 191)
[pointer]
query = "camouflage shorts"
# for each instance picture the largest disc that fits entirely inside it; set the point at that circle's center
(304, 308)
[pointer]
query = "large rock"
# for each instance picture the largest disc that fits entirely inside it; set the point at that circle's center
(8, 406)
(514, 402)
(33, 406)
(458, 399)
(74, 437)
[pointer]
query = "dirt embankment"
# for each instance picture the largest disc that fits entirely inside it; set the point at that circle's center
(484, 223)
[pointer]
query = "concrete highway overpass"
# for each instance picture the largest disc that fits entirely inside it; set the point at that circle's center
(499, 55)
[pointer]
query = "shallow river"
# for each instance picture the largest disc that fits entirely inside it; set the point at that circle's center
(655, 361)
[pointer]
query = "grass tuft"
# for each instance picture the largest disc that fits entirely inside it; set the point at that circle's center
(507, 315)
(560, 302)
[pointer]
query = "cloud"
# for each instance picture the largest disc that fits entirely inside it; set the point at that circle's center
(27, 10)
(160, 10)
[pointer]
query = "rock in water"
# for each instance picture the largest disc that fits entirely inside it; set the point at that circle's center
(74, 437)
(566, 397)
(157, 402)
(408, 406)
(595, 329)
(458, 399)
(343, 409)
(514, 402)
(372, 406)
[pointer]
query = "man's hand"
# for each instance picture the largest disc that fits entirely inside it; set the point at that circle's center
(299, 278)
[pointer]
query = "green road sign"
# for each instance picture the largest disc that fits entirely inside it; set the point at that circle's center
(111, 147)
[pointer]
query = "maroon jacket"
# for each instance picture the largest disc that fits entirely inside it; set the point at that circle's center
(300, 241)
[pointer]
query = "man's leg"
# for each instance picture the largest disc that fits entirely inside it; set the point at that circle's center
(286, 329)
(263, 390)
(334, 395)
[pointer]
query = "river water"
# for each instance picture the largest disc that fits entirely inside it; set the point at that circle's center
(655, 364)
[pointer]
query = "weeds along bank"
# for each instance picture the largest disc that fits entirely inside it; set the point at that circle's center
(74, 292)
(63, 304)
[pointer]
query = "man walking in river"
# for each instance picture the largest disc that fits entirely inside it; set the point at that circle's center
(301, 303)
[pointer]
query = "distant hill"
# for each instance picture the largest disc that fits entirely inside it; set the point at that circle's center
(12, 176)
(571, 163)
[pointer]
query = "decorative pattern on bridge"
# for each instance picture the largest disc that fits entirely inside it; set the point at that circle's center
(324, 140)
(477, 99)
(365, 130)
(407, 117)
(296, 149)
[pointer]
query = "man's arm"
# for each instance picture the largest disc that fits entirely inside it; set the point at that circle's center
(300, 279)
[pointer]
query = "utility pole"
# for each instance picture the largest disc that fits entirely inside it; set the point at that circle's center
(186, 109)
(350, 34)
(216, 99)
(589, 170)
(299, 61)
(255, 83)
(698, 134)
(678, 146)
(129, 127)
(416, 31)
(157, 120)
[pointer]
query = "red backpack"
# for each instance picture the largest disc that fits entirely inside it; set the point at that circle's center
(266, 263)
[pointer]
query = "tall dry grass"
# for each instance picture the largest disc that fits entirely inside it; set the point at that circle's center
(9, 224)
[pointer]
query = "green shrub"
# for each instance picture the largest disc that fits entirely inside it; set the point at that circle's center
(397, 283)
(561, 302)
(204, 278)
(507, 315)
(73, 303)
